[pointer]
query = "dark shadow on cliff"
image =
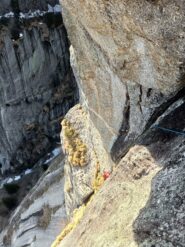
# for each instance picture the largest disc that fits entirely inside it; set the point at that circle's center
(161, 222)
(123, 142)
(47, 92)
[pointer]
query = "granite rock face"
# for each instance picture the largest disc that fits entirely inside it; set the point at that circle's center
(109, 217)
(128, 60)
(82, 165)
(5, 6)
(161, 221)
(142, 203)
(37, 86)
(41, 215)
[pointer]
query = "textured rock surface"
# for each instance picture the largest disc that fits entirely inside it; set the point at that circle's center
(108, 219)
(5, 6)
(41, 215)
(161, 222)
(128, 60)
(79, 179)
(131, 211)
(36, 87)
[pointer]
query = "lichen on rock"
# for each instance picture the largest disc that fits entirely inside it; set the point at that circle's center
(128, 61)
(74, 146)
(78, 213)
(82, 146)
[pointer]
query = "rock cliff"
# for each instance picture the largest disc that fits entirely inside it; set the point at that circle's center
(41, 215)
(124, 143)
(37, 86)
(128, 60)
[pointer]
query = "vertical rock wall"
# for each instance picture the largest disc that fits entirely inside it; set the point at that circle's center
(128, 59)
(127, 68)
(41, 214)
(37, 86)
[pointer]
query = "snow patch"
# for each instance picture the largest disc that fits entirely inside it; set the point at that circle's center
(57, 8)
(56, 151)
(37, 13)
(16, 178)
(9, 15)
(9, 181)
(53, 155)
(28, 171)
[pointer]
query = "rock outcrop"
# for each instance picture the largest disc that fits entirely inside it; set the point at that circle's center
(109, 217)
(141, 204)
(85, 157)
(124, 143)
(37, 86)
(128, 61)
(41, 215)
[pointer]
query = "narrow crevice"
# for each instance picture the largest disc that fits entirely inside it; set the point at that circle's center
(25, 231)
(121, 146)
(36, 214)
(140, 98)
(116, 149)
(162, 108)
